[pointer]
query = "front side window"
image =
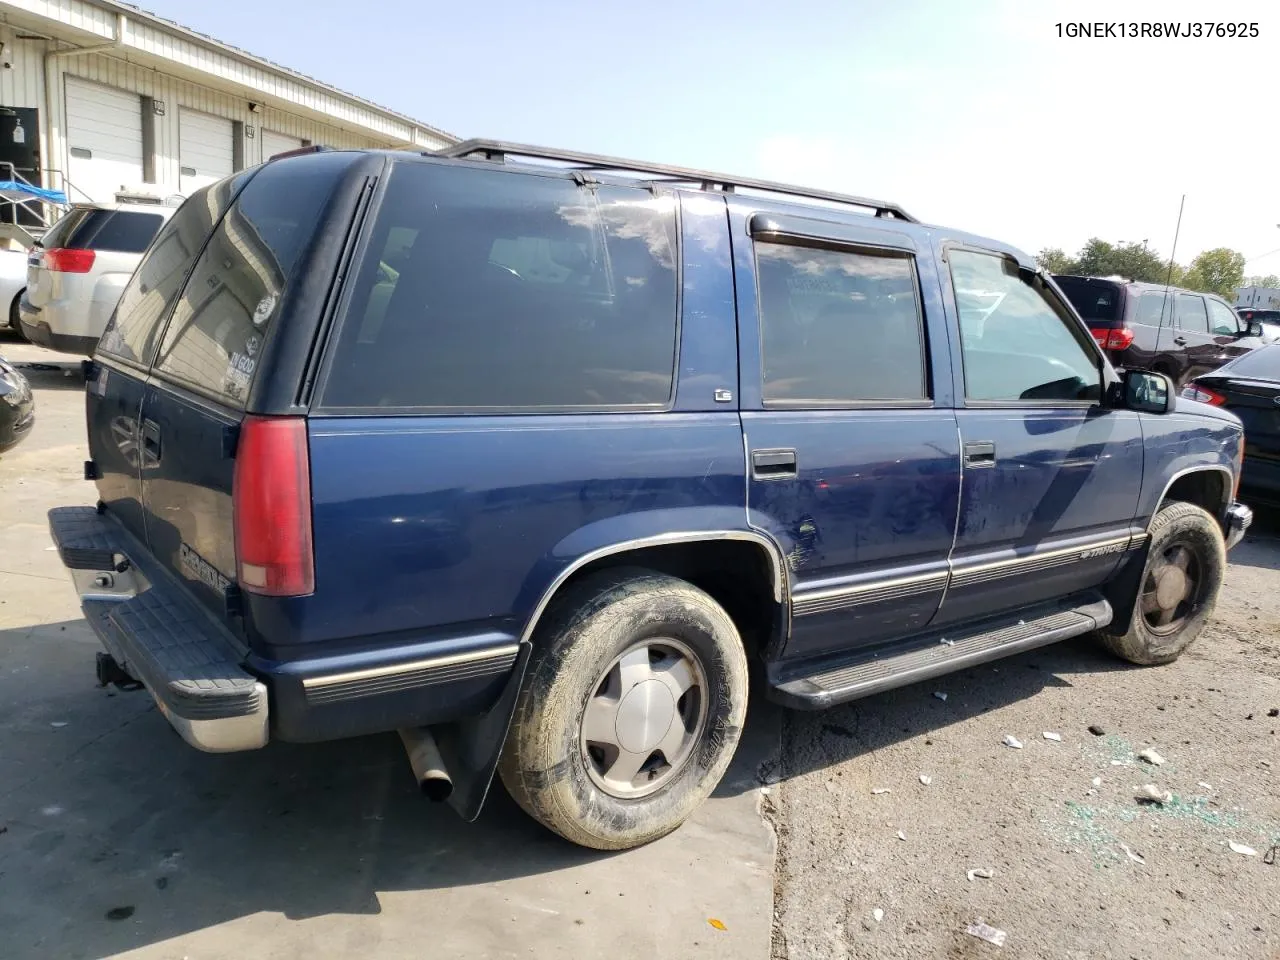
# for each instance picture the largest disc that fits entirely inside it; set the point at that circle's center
(1192, 316)
(1222, 320)
(839, 327)
(212, 341)
(1018, 343)
(485, 290)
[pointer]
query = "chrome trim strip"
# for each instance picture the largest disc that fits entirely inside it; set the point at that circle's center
(1016, 566)
(840, 598)
(660, 540)
(507, 651)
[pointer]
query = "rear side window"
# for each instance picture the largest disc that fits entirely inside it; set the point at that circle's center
(1263, 363)
(1153, 309)
(212, 341)
(839, 326)
(136, 324)
(1191, 313)
(120, 231)
(488, 290)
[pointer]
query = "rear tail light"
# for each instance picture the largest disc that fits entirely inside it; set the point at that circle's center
(1113, 338)
(271, 498)
(1204, 395)
(66, 260)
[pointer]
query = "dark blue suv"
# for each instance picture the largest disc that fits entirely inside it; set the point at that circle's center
(529, 454)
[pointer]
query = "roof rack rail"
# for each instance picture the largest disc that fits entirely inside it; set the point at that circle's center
(500, 150)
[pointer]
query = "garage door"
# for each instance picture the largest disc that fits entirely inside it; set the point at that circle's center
(273, 143)
(204, 149)
(104, 140)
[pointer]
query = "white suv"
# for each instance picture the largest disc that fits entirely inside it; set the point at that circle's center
(78, 270)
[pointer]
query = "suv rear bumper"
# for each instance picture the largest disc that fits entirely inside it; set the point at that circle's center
(38, 331)
(221, 697)
(142, 616)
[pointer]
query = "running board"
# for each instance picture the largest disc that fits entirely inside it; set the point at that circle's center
(826, 681)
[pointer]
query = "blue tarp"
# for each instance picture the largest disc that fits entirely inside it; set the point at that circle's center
(10, 187)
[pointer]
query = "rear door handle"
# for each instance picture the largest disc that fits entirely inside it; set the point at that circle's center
(773, 464)
(980, 453)
(1180, 341)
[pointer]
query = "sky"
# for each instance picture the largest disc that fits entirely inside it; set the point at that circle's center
(973, 114)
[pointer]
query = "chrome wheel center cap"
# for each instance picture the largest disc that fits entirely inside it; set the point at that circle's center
(644, 716)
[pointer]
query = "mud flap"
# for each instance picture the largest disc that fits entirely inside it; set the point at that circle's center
(471, 747)
(1123, 588)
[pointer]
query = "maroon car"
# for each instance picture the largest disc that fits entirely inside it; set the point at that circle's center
(1148, 326)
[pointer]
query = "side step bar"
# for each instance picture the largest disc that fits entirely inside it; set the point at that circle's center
(825, 681)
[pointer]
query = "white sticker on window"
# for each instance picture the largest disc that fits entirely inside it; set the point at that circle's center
(262, 312)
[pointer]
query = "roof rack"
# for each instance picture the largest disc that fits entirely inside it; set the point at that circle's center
(500, 150)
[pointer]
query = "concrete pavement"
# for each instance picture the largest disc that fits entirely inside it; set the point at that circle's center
(295, 851)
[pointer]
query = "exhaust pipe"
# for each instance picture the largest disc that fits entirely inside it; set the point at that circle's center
(428, 766)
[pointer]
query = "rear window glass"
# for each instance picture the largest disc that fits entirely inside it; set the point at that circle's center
(213, 340)
(136, 324)
(1263, 362)
(63, 227)
(1093, 301)
(120, 231)
(485, 289)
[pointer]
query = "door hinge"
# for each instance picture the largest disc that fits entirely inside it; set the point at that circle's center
(233, 601)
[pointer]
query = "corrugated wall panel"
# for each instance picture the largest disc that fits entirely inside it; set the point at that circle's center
(22, 85)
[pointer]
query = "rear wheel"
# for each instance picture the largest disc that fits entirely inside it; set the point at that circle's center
(15, 324)
(631, 711)
(1185, 566)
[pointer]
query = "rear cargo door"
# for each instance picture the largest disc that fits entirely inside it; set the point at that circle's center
(204, 368)
(117, 445)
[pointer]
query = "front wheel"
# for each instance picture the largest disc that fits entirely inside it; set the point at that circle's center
(631, 710)
(1185, 566)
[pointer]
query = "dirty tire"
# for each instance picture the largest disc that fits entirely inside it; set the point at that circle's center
(1176, 524)
(543, 764)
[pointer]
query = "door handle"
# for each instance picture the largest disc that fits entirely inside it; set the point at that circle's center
(1180, 341)
(980, 453)
(773, 464)
(151, 440)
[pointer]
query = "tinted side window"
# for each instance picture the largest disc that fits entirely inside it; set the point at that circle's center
(839, 326)
(483, 289)
(122, 231)
(1222, 320)
(138, 319)
(226, 308)
(1191, 313)
(1018, 342)
(1153, 309)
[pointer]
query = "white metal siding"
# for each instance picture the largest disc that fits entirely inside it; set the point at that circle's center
(204, 150)
(273, 143)
(107, 123)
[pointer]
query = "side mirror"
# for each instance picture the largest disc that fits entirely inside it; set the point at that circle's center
(1144, 391)
(1254, 329)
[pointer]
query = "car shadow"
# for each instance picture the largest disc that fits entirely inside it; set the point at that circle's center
(104, 807)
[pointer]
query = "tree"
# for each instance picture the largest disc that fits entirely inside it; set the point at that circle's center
(1053, 260)
(1133, 261)
(1270, 280)
(1219, 271)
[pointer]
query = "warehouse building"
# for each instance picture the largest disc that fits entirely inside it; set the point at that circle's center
(99, 97)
